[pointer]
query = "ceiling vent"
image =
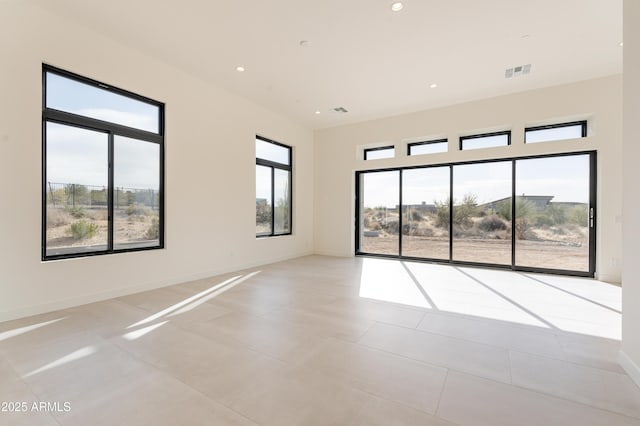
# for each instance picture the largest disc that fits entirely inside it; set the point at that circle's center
(340, 110)
(517, 71)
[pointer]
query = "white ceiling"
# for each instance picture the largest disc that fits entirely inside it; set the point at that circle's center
(362, 56)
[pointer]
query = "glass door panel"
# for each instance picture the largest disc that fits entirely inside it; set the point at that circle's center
(379, 212)
(552, 212)
(425, 212)
(482, 212)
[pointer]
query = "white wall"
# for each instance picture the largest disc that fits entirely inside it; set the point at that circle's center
(338, 153)
(210, 170)
(630, 355)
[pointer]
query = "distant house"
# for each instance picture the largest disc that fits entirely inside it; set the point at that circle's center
(540, 202)
(422, 208)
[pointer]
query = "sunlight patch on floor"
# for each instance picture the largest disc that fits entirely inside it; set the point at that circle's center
(576, 305)
(184, 303)
(74, 356)
(22, 330)
(133, 335)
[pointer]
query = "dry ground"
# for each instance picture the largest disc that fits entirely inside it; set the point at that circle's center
(538, 254)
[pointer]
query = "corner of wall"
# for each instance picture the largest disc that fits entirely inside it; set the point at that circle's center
(630, 367)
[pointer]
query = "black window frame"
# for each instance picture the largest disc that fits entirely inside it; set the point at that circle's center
(581, 123)
(430, 142)
(50, 115)
(281, 166)
(592, 205)
(485, 135)
(379, 148)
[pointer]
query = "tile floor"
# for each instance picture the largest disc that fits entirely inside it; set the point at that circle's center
(329, 341)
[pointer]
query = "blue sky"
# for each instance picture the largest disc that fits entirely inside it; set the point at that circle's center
(79, 156)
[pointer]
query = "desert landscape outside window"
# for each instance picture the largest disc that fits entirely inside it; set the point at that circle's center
(102, 168)
(273, 188)
(529, 214)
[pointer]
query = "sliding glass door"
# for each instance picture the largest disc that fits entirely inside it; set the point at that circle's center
(531, 214)
(552, 212)
(425, 212)
(481, 202)
(379, 219)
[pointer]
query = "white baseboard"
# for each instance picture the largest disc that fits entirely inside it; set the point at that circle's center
(332, 253)
(609, 278)
(27, 311)
(630, 367)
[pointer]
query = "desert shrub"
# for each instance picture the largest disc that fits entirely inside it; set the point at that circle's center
(468, 208)
(97, 214)
(409, 229)
(57, 217)
(76, 212)
(153, 232)
(391, 226)
(136, 209)
(426, 231)
(417, 216)
(82, 229)
(579, 215)
(442, 213)
(375, 226)
(544, 220)
(76, 193)
(462, 212)
(503, 209)
(557, 213)
(492, 223)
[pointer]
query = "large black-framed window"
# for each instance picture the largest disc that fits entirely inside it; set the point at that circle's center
(102, 168)
(532, 213)
(273, 188)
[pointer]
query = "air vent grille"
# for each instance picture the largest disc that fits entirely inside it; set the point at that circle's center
(517, 71)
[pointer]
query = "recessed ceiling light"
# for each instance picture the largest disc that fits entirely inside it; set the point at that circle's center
(317, 112)
(433, 85)
(397, 6)
(240, 68)
(621, 44)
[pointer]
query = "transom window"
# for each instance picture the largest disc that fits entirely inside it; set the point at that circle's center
(379, 153)
(555, 132)
(427, 147)
(486, 140)
(103, 156)
(273, 188)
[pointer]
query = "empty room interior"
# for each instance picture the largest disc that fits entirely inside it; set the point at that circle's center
(444, 228)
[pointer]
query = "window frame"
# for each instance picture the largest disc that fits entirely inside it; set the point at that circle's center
(50, 115)
(485, 135)
(379, 148)
(430, 142)
(280, 166)
(592, 205)
(581, 123)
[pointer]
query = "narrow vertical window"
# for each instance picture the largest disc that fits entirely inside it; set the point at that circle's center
(102, 168)
(273, 188)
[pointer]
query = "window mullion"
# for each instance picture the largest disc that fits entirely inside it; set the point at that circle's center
(110, 193)
(273, 201)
